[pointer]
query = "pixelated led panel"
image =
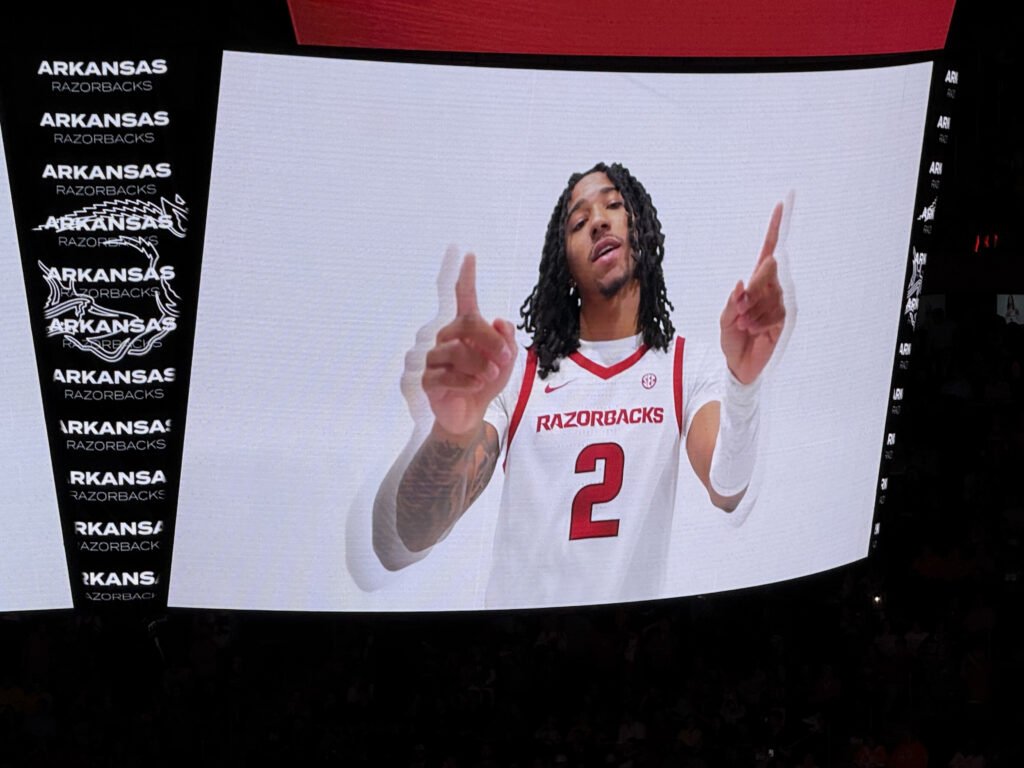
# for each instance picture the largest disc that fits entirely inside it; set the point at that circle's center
(337, 189)
(33, 571)
(734, 28)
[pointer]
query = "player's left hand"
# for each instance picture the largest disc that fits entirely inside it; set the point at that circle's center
(754, 315)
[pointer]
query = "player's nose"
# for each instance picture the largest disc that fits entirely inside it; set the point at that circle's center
(599, 224)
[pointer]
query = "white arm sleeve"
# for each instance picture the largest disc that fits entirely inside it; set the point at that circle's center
(732, 463)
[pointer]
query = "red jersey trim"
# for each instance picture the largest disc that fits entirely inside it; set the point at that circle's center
(606, 373)
(524, 394)
(677, 382)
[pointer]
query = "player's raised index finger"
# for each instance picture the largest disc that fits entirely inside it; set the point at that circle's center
(465, 288)
(772, 238)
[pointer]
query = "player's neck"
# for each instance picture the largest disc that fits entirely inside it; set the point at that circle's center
(606, 318)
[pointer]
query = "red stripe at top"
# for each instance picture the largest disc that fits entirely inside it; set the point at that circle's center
(689, 28)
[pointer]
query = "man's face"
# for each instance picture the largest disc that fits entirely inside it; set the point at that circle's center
(597, 237)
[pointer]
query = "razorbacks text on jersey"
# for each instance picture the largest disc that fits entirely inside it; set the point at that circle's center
(591, 456)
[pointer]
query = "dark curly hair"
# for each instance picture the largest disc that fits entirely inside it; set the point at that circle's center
(551, 313)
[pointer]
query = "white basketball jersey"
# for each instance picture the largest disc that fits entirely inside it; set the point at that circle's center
(591, 456)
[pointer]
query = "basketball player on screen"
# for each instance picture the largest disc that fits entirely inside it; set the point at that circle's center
(592, 416)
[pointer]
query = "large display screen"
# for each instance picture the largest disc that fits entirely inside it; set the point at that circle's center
(344, 196)
(33, 570)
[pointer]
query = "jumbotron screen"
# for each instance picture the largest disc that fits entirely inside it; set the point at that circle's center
(33, 571)
(361, 325)
(344, 196)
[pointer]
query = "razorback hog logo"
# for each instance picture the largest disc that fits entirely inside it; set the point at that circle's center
(150, 309)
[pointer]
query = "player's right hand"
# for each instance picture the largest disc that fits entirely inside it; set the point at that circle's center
(470, 362)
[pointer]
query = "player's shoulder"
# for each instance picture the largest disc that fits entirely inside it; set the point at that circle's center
(526, 359)
(693, 347)
(679, 340)
(678, 345)
(503, 405)
(701, 362)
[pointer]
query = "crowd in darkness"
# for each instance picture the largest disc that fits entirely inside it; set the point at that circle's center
(911, 658)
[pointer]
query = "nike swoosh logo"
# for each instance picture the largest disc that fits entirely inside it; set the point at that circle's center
(549, 389)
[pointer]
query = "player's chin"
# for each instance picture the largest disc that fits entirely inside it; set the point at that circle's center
(611, 285)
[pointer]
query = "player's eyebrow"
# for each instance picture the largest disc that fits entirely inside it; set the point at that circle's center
(582, 200)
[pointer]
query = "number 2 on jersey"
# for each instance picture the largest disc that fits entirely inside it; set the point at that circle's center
(582, 525)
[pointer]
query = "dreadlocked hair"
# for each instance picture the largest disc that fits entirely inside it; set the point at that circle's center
(551, 313)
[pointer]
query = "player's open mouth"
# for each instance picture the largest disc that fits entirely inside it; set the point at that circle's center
(603, 247)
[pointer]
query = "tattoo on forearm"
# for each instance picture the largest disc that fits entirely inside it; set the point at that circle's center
(485, 456)
(442, 481)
